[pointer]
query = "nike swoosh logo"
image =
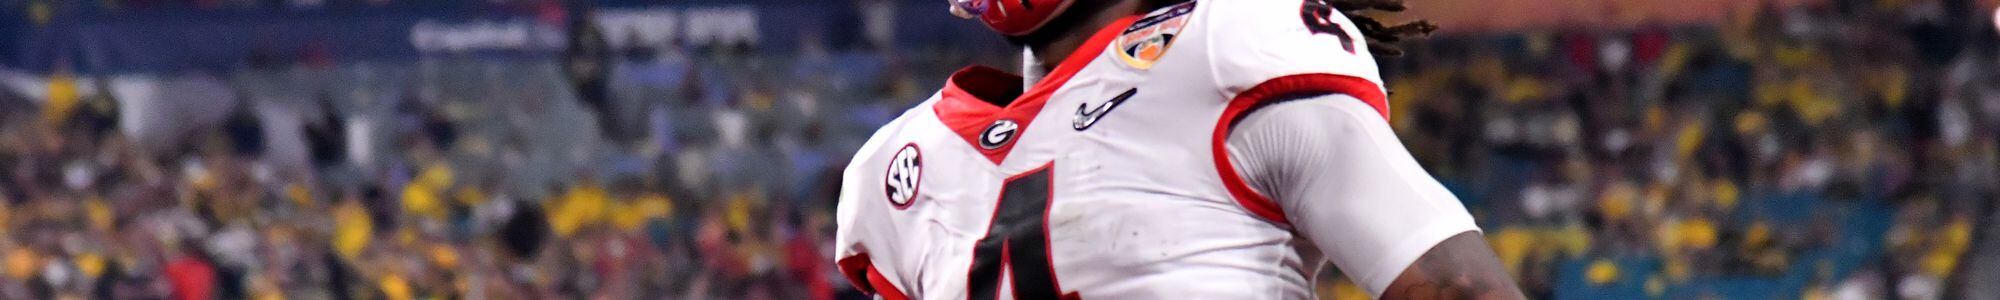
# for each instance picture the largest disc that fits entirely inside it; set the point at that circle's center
(1086, 116)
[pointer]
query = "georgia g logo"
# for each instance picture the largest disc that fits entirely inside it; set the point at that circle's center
(906, 173)
(998, 134)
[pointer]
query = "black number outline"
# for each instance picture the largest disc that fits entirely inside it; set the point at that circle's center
(1318, 16)
(1017, 237)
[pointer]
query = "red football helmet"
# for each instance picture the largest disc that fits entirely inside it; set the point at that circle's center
(1010, 17)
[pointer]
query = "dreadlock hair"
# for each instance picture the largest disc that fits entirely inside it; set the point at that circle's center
(1382, 38)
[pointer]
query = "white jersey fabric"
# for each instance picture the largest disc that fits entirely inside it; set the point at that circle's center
(1342, 175)
(1137, 170)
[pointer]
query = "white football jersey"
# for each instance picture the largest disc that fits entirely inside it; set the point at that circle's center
(1109, 178)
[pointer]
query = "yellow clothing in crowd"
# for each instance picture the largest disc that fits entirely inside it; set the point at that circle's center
(1693, 234)
(425, 195)
(1602, 272)
(1950, 243)
(583, 205)
(631, 216)
(352, 229)
(62, 99)
(395, 288)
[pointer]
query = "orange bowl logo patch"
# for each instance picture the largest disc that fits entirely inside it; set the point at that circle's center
(1149, 38)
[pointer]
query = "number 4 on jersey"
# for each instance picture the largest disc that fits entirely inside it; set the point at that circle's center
(1319, 17)
(1018, 241)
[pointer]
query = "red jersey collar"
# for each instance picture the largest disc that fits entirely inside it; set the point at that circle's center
(963, 110)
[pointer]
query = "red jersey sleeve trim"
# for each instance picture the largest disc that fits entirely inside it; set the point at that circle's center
(1270, 91)
(862, 274)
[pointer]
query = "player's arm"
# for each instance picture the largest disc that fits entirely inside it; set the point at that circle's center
(1343, 181)
(859, 217)
(1460, 267)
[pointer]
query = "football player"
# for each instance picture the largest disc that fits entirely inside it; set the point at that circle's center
(1160, 150)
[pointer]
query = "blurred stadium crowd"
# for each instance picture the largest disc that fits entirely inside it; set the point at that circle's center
(1843, 150)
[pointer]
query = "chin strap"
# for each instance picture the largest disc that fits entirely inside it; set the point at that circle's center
(1031, 69)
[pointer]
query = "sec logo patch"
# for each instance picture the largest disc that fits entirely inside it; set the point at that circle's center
(904, 177)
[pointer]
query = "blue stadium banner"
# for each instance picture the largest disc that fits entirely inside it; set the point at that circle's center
(183, 39)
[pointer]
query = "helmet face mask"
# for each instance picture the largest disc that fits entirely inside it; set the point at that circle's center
(967, 8)
(1010, 17)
